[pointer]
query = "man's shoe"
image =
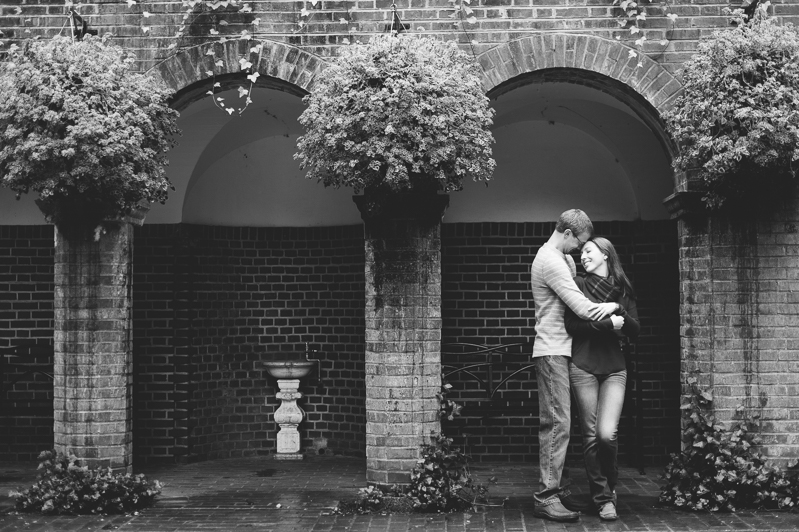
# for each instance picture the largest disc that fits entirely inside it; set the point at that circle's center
(575, 503)
(608, 512)
(553, 510)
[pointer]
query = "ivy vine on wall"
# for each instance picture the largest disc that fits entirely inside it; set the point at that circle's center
(211, 23)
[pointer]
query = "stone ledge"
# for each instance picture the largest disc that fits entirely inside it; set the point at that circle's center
(684, 204)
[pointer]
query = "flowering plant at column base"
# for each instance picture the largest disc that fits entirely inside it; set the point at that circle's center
(79, 127)
(66, 487)
(442, 481)
(399, 113)
(737, 121)
(720, 469)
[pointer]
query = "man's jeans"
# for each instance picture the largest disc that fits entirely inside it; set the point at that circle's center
(554, 415)
(599, 400)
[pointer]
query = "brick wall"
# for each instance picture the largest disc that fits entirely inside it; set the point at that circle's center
(26, 405)
(160, 398)
(26, 316)
(205, 298)
(322, 31)
(739, 318)
(218, 300)
(487, 300)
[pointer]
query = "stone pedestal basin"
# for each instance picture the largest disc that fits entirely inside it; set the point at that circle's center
(289, 415)
(289, 369)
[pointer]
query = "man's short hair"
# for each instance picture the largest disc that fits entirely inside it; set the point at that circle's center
(577, 221)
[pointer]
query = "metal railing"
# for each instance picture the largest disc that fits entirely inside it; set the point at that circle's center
(487, 364)
(478, 362)
(7, 361)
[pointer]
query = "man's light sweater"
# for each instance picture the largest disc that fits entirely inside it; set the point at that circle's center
(553, 288)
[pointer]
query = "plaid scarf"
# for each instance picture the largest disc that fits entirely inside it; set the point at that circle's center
(603, 289)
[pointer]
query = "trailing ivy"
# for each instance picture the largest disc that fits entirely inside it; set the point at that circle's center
(442, 481)
(66, 487)
(720, 469)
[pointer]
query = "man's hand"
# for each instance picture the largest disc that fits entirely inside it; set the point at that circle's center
(603, 310)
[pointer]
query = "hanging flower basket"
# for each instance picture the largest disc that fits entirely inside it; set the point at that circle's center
(737, 120)
(83, 130)
(400, 113)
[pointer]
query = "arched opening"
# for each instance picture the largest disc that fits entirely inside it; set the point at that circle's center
(239, 171)
(565, 138)
(248, 261)
(568, 137)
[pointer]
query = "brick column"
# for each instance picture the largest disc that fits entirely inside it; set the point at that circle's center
(739, 314)
(403, 331)
(720, 309)
(93, 347)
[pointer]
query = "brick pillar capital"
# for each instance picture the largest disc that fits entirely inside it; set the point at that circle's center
(424, 208)
(686, 202)
(77, 215)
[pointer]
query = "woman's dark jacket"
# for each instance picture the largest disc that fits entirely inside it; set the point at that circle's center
(596, 347)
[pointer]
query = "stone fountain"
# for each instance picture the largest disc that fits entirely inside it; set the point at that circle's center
(289, 415)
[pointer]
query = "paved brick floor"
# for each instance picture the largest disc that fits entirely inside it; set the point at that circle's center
(261, 494)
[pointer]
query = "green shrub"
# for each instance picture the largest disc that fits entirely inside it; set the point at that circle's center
(442, 480)
(371, 498)
(65, 487)
(399, 113)
(719, 469)
(81, 128)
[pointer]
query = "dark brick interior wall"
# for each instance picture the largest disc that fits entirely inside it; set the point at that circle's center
(209, 302)
(160, 401)
(212, 302)
(26, 316)
(487, 300)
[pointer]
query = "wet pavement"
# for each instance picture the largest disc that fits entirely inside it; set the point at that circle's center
(263, 494)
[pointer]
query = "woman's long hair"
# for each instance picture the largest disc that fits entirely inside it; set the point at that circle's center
(614, 265)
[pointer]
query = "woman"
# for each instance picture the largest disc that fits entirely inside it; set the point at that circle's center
(597, 370)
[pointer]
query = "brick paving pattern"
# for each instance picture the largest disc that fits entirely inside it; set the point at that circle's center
(263, 495)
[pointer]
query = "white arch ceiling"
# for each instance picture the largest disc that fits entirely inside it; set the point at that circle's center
(562, 145)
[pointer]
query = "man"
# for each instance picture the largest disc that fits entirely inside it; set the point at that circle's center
(554, 289)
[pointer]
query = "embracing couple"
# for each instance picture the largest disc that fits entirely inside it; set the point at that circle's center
(581, 322)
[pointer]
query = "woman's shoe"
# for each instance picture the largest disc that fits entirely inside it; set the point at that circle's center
(608, 512)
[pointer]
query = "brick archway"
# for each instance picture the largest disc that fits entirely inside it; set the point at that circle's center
(585, 52)
(602, 64)
(283, 66)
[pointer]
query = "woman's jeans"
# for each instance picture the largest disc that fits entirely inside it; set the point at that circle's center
(599, 400)
(552, 373)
